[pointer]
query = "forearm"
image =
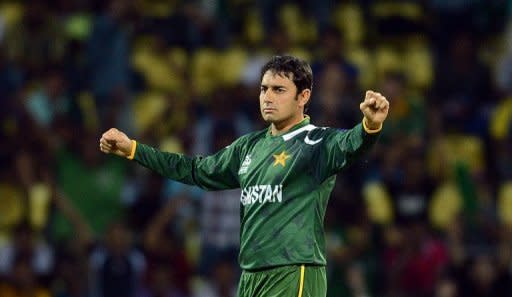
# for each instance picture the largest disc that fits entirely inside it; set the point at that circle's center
(170, 165)
(360, 139)
(67, 209)
(156, 226)
(354, 144)
(214, 172)
(341, 148)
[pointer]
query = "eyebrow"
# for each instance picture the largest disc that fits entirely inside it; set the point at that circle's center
(272, 86)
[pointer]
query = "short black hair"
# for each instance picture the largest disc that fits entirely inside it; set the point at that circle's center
(294, 68)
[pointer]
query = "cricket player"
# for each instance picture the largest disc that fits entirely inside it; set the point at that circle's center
(286, 173)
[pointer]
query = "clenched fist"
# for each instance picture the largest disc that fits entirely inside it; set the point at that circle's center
(375, 108)
(116, 142)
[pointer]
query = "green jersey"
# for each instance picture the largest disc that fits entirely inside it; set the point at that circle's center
(285, 180)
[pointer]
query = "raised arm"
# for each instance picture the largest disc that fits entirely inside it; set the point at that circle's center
(83, 231)
(215, 172)
(342, 147)
(154, 232)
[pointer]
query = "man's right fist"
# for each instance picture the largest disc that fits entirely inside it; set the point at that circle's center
(116, 142)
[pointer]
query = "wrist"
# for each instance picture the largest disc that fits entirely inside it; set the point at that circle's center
(371, 127)
(132, 149)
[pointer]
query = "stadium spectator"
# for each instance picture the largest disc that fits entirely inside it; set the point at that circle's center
(116, 265)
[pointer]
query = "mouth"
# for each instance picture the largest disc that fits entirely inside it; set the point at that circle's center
(268, 110)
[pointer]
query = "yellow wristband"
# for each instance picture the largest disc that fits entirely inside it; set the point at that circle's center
(134, 148)
(368, 130)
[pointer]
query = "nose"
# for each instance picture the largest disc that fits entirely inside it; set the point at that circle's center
(267, 97)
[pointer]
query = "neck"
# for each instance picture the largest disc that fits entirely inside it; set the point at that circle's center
(284, 126)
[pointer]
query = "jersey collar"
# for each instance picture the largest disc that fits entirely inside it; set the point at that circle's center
(293, 130)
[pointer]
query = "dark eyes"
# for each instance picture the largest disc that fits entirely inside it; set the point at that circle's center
(276, 90)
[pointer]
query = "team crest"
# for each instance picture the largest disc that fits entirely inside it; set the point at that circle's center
(281, 159)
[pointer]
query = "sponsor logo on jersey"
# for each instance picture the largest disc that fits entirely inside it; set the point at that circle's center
(262, 194)
(245, 165)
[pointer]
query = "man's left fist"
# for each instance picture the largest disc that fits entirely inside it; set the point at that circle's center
(375, 108)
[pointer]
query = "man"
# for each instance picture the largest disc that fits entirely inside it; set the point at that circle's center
(286, 174)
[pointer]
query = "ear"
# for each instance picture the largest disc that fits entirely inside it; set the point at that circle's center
(304, 97)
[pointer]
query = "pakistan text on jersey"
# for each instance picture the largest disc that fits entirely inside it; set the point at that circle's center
(262, 194)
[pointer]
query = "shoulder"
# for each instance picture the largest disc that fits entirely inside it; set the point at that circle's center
(310, 131)
(317, 136)
(326, 134)
(329, 131)
(309, 135)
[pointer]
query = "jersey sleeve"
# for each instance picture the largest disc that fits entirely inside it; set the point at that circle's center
(215, 172)
(342, 147)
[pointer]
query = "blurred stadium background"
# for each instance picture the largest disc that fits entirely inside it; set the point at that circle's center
(428, 213)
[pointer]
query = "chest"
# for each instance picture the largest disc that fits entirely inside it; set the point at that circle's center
(273, 161)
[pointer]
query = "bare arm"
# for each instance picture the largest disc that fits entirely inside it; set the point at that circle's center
(157, 225)
(68, 210)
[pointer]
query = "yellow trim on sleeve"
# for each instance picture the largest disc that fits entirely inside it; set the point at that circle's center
(134, 148)
(301, 283)
(368, 130)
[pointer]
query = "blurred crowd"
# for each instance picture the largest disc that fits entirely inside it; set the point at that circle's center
(427, 213)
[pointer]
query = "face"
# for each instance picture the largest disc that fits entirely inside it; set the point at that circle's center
(279, 102)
